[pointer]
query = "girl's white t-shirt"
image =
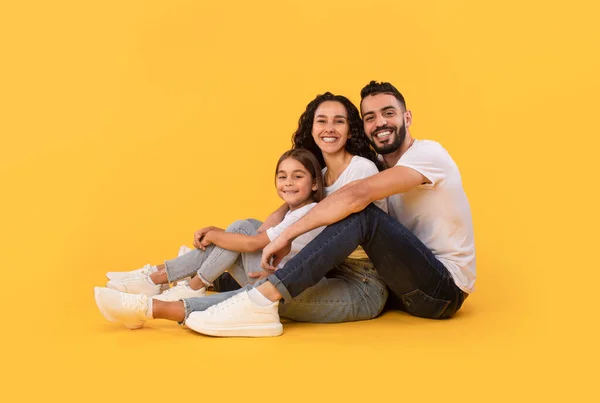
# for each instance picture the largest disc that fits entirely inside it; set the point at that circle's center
(301, 241)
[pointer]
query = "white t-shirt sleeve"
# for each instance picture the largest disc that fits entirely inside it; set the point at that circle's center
(429, 159)
(290, 218)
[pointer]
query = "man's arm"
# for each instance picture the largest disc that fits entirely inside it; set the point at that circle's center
(274, 218)
(351, 198)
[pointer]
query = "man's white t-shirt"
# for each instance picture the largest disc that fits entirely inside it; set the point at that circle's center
(301, 241)
(438, 213)
(358, 168)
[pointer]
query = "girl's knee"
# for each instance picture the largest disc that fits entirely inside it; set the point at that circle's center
(244, 226)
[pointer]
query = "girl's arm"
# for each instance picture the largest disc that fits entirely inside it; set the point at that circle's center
(275, 218)
(236, 242)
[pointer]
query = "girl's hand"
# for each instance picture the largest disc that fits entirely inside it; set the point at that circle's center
(206, 240)
(198, 235)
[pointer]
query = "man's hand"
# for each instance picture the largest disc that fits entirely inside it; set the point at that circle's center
(274, 252)
(260, 274)
(199, 236)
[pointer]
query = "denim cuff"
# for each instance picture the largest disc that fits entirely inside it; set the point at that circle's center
(273, 279)
(187, 309)
(169, 279)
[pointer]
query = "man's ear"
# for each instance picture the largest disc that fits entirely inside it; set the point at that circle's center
(407, 118)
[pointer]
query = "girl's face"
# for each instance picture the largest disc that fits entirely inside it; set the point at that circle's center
(294, 183)
(330, 127)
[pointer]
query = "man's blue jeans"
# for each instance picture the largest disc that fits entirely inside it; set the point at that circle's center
(418, 283)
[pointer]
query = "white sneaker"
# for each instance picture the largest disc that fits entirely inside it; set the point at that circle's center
(237, 316)
(127, 275)
(183, 250)
(119, 307)
(144, 271)
(136, 285)
(180, 291)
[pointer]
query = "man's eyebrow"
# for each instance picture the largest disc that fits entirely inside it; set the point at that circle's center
(385, 108)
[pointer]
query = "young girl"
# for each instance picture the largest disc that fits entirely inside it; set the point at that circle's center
(299, 184)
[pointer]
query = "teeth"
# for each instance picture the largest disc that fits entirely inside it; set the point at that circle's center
(329, 139)
(383, 134)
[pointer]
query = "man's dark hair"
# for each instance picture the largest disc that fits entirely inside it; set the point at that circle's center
(374, 88)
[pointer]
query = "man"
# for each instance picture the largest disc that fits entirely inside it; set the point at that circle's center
(424, 250)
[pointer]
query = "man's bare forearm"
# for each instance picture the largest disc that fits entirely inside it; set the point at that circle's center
(349, 199)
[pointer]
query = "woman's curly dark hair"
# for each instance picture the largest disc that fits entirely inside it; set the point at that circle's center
(357, 143)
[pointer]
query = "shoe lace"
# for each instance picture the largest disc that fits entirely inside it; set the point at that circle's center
(135, 302)
(178, 286)
(221, 306)
(146, 270)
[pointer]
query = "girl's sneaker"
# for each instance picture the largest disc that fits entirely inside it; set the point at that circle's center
(127, 309)
(144, 271)
(180, 291)
(128, 275)
(136, 285)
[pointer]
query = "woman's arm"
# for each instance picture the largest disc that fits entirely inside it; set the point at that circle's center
(275, 218)
(236, 242)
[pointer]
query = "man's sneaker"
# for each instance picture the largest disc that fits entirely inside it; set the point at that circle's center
(136, 285)
(237, 316)
(119, 307)
(128, 275)
(180, 291)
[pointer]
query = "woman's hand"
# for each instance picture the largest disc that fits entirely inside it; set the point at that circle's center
(200, 234)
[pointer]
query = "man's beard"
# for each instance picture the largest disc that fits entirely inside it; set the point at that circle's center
(399, 137)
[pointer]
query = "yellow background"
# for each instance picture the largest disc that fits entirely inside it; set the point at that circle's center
(127, 125)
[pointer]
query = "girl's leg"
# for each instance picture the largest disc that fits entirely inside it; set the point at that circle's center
(221, 259)
(188, 264)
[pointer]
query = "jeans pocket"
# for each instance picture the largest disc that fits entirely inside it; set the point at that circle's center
(418, 303)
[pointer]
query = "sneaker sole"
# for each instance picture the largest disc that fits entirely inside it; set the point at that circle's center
(104, 313)
(238, 331)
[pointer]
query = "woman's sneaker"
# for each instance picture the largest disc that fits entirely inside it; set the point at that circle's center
(180, 291)
(127, 309)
